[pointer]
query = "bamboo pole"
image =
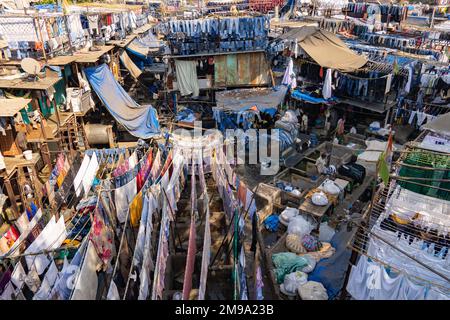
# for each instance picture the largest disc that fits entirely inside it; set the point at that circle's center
(419, 184)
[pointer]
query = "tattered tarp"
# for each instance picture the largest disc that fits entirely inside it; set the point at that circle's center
(149, 41)
(331, 271)
(240, 99)
(325, 48)
(310, 99)
(140, 121)
(439, 125)
(129, 64)
(137, 49)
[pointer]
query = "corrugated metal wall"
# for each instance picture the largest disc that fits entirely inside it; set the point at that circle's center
(241, 69)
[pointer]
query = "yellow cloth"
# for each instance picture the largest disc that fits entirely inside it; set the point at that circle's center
(61, 178)
(399, 220)
(136, 210)
(115, 70)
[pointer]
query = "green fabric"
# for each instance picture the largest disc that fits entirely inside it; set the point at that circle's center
(287, 262)
(46, 110)
(429, 160)
(24, 113)
(383, 169)
(60, 93)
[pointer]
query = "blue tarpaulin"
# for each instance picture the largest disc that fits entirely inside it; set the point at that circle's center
(331, 271)
(308, 98)
(140, 121)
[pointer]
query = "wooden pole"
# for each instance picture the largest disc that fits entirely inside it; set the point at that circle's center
(11, 196)
(41, 38)
(432, 18)
(68, 35)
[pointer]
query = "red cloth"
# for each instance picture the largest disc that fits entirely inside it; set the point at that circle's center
(242, 193)
(321, 72)
(190, 261)
(143, 174)
(166, 164)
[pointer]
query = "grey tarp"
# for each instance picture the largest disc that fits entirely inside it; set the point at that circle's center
(262, 98)
(325, 48)
(439, 125)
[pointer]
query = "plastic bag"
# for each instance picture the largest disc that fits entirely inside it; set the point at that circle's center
(289, 213)
(300, 226)
(311, 263)
(330, 187)
(326, 233)
(319, 199)
(312, 290)
(294, 280)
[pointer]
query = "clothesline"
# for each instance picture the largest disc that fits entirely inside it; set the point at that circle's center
(405, 253)
(361, 252)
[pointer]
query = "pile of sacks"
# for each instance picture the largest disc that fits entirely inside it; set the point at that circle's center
(306, 250)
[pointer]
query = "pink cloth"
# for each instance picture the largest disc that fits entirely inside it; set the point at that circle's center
(190, 261)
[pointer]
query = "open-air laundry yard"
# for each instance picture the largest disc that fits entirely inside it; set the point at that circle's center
(224, 150)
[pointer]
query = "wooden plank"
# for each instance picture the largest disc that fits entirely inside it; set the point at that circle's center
(232, 71)
(220, 70)
(61, 60)
(244, 67)
(92, 56)
(255, 69)
(41, 84)
(125, 42)
(266, 71)
(10, 107)
(12, 163)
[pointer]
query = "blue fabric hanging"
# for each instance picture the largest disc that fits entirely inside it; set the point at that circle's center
(140, 121)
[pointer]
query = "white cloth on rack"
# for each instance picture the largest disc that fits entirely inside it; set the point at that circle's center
(411, 116)
(90, 173)
(124, 195)
(18, 275)
(421, 116)
(51, 237)
(289, 78)
(113, 293)
(80, 174)
(187, 80)
(326, 91)
(147, 262)
(87, 281)
(93, 23)
(22, 222)
(371, 281)
(436, 143)
(75, 28)
(408, 83)
(14, 29)
(388, 83)
(47, 284)
(8, 292)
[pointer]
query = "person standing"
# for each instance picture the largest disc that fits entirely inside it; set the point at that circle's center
(304, 123)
